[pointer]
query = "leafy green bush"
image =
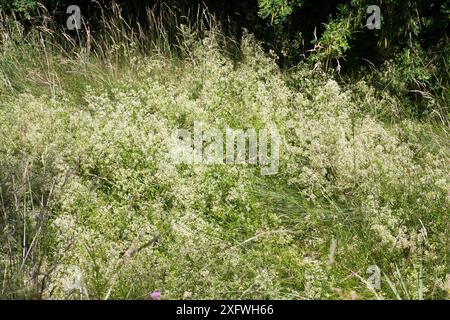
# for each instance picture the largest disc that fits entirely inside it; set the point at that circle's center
(277, 10)
(24, 8)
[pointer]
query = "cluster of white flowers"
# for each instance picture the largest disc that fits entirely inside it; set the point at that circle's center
(213, 227)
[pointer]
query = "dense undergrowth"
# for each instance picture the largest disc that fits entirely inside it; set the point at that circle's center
(92, 207)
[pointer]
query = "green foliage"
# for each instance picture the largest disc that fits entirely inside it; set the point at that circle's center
(25, 8)
(334, 43)
(277, 11)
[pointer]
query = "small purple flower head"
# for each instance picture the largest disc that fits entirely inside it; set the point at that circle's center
(155, 295)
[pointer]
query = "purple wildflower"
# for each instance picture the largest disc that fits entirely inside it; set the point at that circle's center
(155, 295)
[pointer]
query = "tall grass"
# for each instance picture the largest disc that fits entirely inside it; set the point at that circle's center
(48, 58)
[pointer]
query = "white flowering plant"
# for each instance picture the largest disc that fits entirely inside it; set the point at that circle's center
(93, 207)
